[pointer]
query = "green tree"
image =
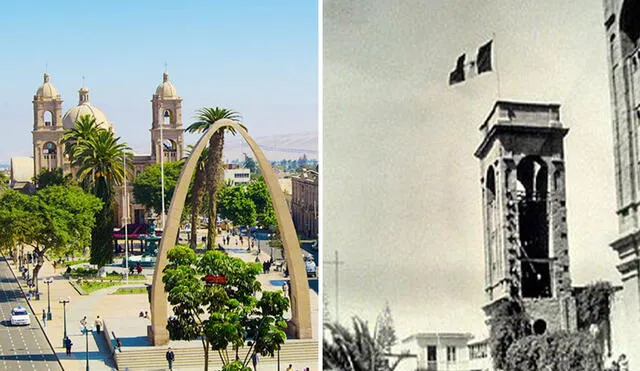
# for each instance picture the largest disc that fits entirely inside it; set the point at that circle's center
(98, 158)
(147, 186)
(259, 194)
(206, 118)
(85, 127)
(224, 314)
(236, 205)
(51, 177)
(55, 219)
(251, 164)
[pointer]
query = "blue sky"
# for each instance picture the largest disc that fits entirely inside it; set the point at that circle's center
(258, 58)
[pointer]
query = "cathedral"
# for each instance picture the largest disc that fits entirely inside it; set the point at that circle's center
(49, 125)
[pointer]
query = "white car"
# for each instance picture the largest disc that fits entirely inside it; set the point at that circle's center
(20, 316)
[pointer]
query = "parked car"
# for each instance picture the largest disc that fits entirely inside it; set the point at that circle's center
(20, 316)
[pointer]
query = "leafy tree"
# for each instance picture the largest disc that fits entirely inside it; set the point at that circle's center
(386, 333)
(51, 177)
(251, 164)
(259, 195)
(508, 323)
(225, 314)
(206, 118)
(147, 186)
(236, 206)
(97, 154)
(55, 219)
(85, 127)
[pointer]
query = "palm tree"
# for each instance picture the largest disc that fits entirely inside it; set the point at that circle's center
(358, 350)
(206, 118)
(85, 127)
(196, 193)
(98, 158)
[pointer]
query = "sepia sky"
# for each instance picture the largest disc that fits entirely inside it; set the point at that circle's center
(402, 197)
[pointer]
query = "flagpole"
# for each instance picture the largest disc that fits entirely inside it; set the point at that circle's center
(494, 50)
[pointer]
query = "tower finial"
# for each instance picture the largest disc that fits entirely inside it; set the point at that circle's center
(165, 77)
(46, 77)
(165, 66)
(83, 81)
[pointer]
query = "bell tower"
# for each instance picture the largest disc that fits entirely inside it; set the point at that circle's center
(48, 130)
(524, 211)
(166, 107)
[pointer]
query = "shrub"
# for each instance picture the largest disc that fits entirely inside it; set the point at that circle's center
(558, 351)
(508, 323)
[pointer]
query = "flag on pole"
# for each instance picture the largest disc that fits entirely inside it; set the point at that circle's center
(468, 70)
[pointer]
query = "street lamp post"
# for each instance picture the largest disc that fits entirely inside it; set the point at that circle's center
(48, 281)
(87, 330)
(64, 303)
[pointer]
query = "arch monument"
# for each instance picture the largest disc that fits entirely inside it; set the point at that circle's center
(300, 302)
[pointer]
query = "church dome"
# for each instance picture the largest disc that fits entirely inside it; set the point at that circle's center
(47, 90)
(166, 89)
(85, 107)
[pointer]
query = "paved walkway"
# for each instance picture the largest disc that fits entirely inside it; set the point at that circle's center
(109, 306)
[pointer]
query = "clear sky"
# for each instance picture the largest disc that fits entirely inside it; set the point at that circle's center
(402, 196)
(258, 58)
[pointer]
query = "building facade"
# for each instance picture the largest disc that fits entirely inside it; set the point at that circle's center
(439, 351)
(524, 211)
(235, 175)
(304, 203)
(49, 125)
(622, 27)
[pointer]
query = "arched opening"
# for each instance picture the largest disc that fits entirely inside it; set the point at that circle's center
(47, 118)
(170, 149)
(630, 20)
(532, 177)
(167, 117)
(49, 155)
(539, 327)
(492, 225)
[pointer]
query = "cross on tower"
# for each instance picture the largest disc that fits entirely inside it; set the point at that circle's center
(337, 263)
(165, 66)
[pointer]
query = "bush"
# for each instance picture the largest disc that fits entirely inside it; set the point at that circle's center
(508, 323)
(84, 272)
(558, 351)
(592, 304)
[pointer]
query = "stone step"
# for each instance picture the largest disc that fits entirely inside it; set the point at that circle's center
(151, 357)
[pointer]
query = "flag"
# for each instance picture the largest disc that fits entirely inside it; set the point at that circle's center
(457, 75)
(467, 70)
(483, 59)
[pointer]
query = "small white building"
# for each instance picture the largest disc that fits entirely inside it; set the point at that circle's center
(237, 176)
(438, 351)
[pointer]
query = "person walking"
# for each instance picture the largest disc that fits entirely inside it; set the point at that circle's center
(44, 318)
(67, 345)
(83, 321)
(254, 360)
(98, 324)
(170, 358)
(290, 368)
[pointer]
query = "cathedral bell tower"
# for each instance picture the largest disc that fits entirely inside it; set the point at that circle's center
(524, 211)
(166, 108)
(48, 150)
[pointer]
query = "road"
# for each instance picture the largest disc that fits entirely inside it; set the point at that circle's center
(22, 348)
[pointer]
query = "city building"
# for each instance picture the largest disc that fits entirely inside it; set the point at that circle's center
(622, 25)
(439, 351)
(49, 125)
(234, 175)
(479, 355)
(304, 203)
(21, 174)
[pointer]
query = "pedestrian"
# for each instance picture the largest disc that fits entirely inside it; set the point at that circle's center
(236, 242)
(44, 318)
(55, 265)
(146, 314)
(170, 358)
(131, 268)
(254, 360)
(67, 345)
(139, 269)
(623, 363)
(98, 324)
(257, 259)
(290, 368)
(83, 321)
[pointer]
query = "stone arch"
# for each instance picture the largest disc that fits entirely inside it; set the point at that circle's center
(300, 303)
